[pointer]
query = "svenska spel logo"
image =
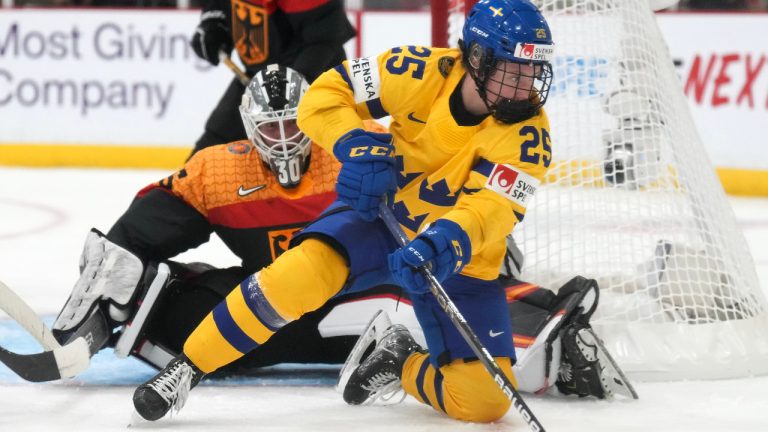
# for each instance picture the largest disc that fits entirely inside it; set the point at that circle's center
(502, 179)
(527, 50)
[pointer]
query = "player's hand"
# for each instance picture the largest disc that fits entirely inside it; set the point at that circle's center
(212, 36)
(444, 246)
(367, 170)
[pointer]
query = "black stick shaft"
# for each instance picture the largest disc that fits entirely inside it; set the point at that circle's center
(466, 332)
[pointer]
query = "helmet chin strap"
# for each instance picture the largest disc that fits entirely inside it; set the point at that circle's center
(510, 111)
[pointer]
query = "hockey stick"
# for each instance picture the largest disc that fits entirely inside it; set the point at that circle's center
(461, 325)
(20, 311)
(62, 362)
(57, 361)
(224, 58)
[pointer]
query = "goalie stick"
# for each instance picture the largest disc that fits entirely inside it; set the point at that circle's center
(242, 76)
(56, 361)
(461, 325)
(17, 309)
(62, 362)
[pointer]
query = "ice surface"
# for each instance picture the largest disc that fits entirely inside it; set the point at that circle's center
(44, 217)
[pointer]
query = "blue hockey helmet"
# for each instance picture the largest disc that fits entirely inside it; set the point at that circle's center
(508, 41)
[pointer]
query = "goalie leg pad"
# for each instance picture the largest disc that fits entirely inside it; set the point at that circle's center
(175, 298)
(539, 315)
(134, 328)
(109, 275)
(512, 266)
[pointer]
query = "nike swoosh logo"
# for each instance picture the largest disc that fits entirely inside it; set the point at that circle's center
(412, 118)
(245, 192)
(492, 333)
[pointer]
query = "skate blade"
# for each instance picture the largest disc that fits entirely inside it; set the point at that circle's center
(372, 333)
(136, 420)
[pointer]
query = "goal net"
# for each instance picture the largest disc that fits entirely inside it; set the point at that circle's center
(633, 201)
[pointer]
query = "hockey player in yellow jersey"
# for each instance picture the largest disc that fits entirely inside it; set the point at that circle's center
(468, 146)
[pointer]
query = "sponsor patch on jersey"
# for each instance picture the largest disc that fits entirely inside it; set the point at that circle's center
(239, 148)
(364, 75)
(445, 65)
(534, 52)
(514, 185)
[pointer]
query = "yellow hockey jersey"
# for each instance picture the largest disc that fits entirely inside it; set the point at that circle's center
(480, 177)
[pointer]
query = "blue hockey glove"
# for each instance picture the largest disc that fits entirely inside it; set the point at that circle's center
(367, 170)
(444, 246)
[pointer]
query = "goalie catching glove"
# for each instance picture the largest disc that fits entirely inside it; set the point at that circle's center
(367, 170)
(444, 248)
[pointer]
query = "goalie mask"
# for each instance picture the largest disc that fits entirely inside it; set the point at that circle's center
(269, 108)
(506, 48)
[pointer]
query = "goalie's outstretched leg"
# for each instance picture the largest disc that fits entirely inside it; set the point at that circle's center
(115, 299)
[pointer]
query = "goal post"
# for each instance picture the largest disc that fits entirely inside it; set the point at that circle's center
(633, 201)
(447, 20)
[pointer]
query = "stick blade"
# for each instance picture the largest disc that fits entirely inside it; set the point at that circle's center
(64, 362)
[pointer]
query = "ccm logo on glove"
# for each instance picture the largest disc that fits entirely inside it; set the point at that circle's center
(369, 150)
(367, 172)
(459, 253)
(444, 248)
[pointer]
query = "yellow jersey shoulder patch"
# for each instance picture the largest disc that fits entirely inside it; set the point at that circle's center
(512, 183)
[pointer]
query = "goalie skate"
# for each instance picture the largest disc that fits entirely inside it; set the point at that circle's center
(370, 336)
(587, 369)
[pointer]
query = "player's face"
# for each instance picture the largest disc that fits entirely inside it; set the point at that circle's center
(272, 133)
(513, 81)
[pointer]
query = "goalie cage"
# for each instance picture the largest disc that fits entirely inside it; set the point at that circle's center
(633, 201)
